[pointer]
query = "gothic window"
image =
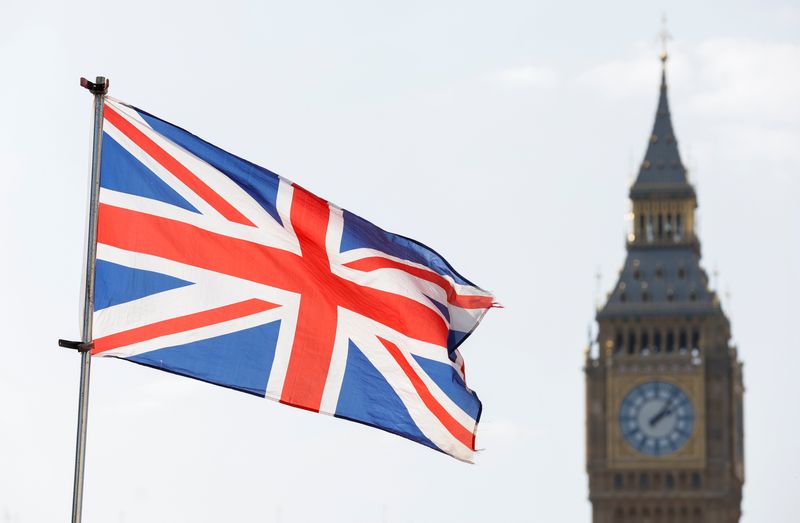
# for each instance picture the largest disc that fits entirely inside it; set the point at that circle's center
(618, 481)
(669, 481)
(695, 480)
(641, 226)
(682, 341)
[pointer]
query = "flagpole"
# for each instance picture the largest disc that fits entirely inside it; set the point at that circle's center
(98, 88)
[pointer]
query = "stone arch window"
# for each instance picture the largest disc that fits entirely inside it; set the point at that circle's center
(649, 228)
(618, 341)
(695, 339)
(644, 481)
(669, 481)
(657, 341)
(681, 272)
(670, 294)
(682, 342)
(660, 225)
(618, 481)
(668, 225)
(692, 295)
(678, 227)
(631, 342)
(645, 342)
(641, 226)
(695, 480)
(670, 341)
(645, 296)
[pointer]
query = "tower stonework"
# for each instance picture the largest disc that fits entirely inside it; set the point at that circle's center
(664, 389)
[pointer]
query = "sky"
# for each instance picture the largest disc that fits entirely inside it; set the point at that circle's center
(503, 134)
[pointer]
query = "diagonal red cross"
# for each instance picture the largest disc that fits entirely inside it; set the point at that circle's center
(308, 274)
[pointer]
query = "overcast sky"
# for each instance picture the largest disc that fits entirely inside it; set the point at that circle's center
(503, 134)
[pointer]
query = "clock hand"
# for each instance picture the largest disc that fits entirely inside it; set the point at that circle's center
(665, 411)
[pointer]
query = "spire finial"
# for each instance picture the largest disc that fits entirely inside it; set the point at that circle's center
(664, 36)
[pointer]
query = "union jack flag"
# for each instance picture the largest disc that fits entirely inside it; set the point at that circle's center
(211, 267)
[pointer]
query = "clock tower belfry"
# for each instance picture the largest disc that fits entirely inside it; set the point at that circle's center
(664, 436)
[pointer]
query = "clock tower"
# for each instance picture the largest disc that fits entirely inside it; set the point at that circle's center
(664, 438)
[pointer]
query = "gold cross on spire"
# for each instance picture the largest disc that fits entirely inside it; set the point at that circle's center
(664, 36)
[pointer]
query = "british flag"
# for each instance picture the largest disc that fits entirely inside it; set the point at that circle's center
(211, 267)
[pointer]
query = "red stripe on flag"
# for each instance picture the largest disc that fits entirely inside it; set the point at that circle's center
(144, 233)
(314, 337)
(461, 300)
(181, 323)
(450, 423)
(175, 167)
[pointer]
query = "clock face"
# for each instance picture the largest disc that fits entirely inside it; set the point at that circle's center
(656, 418)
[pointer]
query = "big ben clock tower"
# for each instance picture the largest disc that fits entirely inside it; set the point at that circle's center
(664, 391)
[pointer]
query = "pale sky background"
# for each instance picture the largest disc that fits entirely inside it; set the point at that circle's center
(503, 134)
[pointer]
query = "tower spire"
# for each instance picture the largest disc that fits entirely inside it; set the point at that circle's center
(662, 170)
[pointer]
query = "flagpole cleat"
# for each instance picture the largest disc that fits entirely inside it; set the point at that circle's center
(99, 86)
(76, 345)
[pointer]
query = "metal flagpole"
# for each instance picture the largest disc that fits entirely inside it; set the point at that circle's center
(98, 88)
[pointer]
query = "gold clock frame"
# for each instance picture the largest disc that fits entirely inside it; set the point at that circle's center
(622, 455)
